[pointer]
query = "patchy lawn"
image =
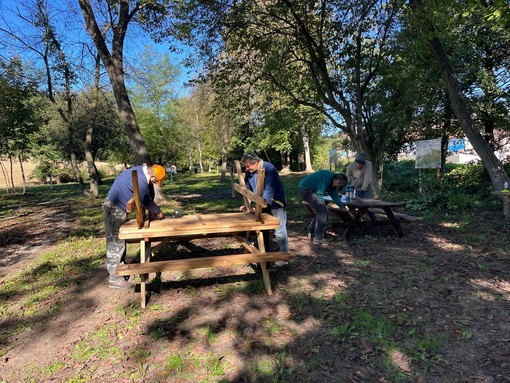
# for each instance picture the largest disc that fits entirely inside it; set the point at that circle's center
(429, 307)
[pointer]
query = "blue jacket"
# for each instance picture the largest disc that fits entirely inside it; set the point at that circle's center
(122, 190)
(321, 182)
(273, 193)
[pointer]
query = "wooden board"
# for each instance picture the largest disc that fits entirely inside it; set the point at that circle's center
(195, 225)
(204, 262)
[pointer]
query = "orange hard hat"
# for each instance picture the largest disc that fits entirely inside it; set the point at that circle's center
(159, 172)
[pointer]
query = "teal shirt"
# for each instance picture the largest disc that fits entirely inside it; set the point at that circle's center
(320, 182)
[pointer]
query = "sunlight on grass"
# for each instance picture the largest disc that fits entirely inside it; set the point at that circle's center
(98, 344)
(188, 365)
(398, 364)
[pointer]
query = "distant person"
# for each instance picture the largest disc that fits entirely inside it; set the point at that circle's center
(312, 189)
(273, 193)
(359, 174)
(114, 207)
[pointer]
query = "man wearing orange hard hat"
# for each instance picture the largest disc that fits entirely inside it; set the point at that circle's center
(114, 207)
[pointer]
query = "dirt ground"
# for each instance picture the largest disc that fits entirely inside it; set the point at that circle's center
(443, 290)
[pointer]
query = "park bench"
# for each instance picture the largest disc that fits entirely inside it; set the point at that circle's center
(238, 225)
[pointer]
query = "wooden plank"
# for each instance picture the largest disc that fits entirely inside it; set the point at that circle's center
(140, 213)
(250, 195)
(246, 244)
(242, 183)
(261, 173)
(401, 217)
(189, 225)
(197, 263)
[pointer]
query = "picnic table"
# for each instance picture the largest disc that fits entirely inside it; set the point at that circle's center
(362, 206)
(238, 225)
(360, 209)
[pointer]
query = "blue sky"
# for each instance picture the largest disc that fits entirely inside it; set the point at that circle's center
(70, 27)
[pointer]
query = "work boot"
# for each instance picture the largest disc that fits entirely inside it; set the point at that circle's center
(121, 284)
(281, 263)
(321, 242)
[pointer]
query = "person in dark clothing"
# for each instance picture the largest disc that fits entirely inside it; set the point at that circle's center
(312, 189)
(114, 208)
(273, 193)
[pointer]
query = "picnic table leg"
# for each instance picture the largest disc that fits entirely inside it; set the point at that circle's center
(143, 278)
(352, 225)
(394, 221)
(263, 265)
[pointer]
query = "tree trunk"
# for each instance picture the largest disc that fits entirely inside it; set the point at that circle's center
(489, 160)
(114, 65)
(91, 167)
(12, 174)
(376, 184)
(4, 172)
(306, 146)
(24, 180)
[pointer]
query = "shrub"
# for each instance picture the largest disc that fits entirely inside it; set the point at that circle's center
(400, 177)
(462, 186)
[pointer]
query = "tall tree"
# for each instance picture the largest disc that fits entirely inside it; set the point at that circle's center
(119, 16)
(19, 117)
(47, 45)
(153, 95)
(326, 55)
(491, 163)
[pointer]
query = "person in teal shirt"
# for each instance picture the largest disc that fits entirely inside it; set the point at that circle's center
(312, 189)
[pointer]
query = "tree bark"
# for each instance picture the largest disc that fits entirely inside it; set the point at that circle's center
(91, 167)
(114, 64)
(306, 148)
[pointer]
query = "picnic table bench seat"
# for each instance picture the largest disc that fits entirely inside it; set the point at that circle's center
(199, 263)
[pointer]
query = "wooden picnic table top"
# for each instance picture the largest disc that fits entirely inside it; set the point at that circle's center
(369, 203)
(365, 203)
(197, 225)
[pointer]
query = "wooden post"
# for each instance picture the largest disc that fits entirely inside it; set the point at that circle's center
(263, 265)
(136, 191)
(242, 183)
(261, 173)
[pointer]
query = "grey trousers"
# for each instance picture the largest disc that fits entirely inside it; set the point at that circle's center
(115, 247)
(318, 223)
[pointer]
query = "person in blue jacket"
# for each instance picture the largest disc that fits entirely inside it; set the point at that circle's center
(273, 193)
(312, 189)
(114, 208)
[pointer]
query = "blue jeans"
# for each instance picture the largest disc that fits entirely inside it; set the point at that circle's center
(318, 223)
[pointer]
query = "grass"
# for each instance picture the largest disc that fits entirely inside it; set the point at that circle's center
(169, 336)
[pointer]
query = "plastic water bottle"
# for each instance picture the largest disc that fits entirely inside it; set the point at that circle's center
(353, 193)
(505, 186)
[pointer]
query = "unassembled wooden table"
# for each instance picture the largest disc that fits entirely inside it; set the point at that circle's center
(239, 225)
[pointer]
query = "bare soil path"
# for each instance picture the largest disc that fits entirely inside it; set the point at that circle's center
(430, 307)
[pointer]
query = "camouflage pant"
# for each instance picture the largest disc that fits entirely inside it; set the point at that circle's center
(115, 247)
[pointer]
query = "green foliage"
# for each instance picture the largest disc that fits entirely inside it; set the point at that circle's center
(460, 188)
(19, 108)
(400, 177)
